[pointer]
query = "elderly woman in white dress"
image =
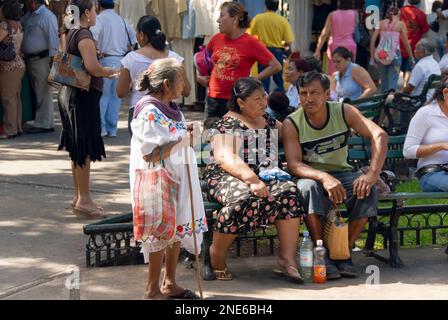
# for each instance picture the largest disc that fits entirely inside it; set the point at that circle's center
(159, 127)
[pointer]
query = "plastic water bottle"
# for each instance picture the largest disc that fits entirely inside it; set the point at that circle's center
(306, 257)
(320, 270)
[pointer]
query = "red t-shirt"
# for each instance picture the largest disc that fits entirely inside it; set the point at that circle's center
(417, 25)
(233, 59)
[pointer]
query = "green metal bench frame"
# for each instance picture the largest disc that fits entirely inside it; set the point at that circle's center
(111, 240)
(371, 107)
(409, 104)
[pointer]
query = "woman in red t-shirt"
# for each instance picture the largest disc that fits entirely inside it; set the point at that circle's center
(234, 52)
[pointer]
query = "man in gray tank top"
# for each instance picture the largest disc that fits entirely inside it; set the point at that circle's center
(315, 141)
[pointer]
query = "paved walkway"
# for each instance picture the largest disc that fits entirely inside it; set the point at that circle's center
(40, 238)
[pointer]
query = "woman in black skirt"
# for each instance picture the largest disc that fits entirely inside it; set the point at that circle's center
(81, 135)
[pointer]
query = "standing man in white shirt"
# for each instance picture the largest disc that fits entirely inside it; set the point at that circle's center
(115, 39)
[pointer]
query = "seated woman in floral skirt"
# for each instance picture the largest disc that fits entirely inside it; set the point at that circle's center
(243, 145)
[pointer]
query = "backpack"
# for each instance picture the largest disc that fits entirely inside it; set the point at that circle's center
(203, 61)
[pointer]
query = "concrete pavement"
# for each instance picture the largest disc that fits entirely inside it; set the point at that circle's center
(41, 240)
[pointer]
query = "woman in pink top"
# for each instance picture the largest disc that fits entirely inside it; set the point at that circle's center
(395, 29)
(340, 27)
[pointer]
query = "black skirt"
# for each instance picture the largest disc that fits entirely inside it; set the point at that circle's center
(81, 125)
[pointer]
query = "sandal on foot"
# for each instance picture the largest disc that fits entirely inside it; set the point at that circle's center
(187, 294)
(224, 275)
(95, 213)
(289, 272)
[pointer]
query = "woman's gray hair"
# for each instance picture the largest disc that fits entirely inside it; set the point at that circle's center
(159, 71)
(426, 46)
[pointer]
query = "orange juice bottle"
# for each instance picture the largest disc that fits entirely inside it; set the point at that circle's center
(320, 270)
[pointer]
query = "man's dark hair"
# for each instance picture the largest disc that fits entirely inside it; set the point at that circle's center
(278, 101)
(11, 9)
(272, 5)
(345, 4)
(309, 77)
(414, 2)
(107, 5)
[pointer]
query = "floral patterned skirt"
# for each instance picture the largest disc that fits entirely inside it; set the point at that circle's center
(243, 211)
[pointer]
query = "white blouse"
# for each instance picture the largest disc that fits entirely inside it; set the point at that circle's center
(428, 126)
(137, 64)
(151, 129)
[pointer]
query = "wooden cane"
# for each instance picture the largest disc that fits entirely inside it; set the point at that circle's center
(198, 271)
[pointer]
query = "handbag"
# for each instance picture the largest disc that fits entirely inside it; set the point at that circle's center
(155, 203)
(360, 34)
(336, 235)
(7, 50)
(69, 70)
(66, 106)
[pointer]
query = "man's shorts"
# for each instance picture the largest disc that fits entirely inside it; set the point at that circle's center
(315, 199)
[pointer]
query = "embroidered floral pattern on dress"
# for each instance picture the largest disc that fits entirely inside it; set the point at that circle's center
(187, 230)
(155, 115)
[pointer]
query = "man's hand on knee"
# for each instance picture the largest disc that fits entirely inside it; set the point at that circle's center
(363, 185)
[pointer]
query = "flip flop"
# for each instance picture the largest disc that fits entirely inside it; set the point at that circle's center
(290, 273)
(223, 275)
(96, 213)
(187, 294)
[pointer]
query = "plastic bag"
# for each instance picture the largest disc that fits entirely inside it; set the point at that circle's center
(386, 51)
(155, 203)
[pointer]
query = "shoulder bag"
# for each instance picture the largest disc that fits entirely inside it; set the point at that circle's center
(7, 50)
(69, 70)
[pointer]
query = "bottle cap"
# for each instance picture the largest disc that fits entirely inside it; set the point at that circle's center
(306, 234)
(319, 242)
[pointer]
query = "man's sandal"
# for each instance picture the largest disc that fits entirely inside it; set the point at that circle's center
(223, 275)
(290, 272)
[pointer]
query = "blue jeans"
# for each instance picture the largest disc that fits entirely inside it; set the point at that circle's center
(110, 103)
(278, 77)
(434, 182)
(389, 74)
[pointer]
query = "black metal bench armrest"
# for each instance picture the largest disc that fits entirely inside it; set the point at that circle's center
(414, 195)
(406, 102)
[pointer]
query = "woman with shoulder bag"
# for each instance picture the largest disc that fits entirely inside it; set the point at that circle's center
(81, 136)
(11, 71)
(388, 55)
(161, 135)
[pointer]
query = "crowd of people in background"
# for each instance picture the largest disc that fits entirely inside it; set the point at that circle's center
(311, 113)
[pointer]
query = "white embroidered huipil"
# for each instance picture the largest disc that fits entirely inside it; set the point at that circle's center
(151, 129)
